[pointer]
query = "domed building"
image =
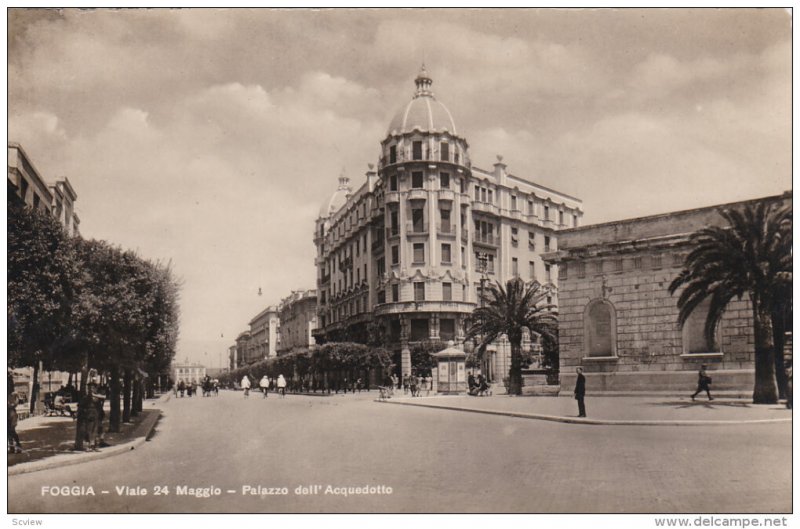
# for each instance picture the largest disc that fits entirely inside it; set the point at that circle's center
(402, 259)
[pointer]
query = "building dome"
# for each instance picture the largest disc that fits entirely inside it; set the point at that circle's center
(337, 199)
(423, 112)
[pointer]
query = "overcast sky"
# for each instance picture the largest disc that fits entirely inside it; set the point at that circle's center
(211, 137)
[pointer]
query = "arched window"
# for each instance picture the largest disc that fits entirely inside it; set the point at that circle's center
(694, 339)
(600, 329)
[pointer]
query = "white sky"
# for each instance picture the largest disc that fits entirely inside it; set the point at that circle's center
(211, 137)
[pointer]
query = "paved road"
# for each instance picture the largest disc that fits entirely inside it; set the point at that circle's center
(433, 460)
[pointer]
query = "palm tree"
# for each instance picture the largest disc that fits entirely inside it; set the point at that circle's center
(508, 311)
(751, 255)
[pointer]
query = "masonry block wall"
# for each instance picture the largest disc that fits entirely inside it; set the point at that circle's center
(618, 321)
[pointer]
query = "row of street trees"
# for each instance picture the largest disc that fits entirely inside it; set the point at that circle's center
(76, 305)
(330, 363)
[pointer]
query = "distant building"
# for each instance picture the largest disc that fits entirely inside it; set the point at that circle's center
(28, 184)
(188, 372)
(242, 349)
(404, 255)
(618, 321)
(232, 363)
(263, 342)
(298, 318)
(215, 372)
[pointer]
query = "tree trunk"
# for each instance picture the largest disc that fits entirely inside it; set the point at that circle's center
(137, 396)
(778, 329)
(515, 371)
(126, 396)
(766, 388)
(34, 387)
(113, 399)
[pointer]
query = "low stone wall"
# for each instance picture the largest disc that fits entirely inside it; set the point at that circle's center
(738, 380)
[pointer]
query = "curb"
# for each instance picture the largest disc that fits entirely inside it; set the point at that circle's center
(577, 420)
(65, 460)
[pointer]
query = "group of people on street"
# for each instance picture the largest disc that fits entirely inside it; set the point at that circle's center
(478, 386)
(416, 384)
(265, 384)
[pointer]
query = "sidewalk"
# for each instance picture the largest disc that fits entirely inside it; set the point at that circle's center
(644, 410)
(47, 442)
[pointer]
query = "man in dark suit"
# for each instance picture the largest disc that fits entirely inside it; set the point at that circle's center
(580, 391)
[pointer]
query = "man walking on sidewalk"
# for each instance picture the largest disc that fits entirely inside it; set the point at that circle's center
(580, 391)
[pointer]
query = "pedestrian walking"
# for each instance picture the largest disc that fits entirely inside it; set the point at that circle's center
(580, 391)
(703, 383)
(246, 386)
(405, 384)
(264, 385)
(182, 387)
(412, 383)
(281, 386)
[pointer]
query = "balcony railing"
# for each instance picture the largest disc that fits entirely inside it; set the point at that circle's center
(486, 239)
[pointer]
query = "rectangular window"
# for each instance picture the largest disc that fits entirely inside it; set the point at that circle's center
(393, 183)
(445, 214)
(531, 240)
(463, 257)
(417, 150)
(477, 194)
(637, 263)
(381, 266)
(447, 329)
(514, 237)
(547, 273)
(581, 269)
(491, 199)
(546, 243)
(416, 180)
(393, 223)
(514, 267)
(532, 270)
(562, 271)
(395, 292)
(656, 262)
(382, 296)
(561, 218)
(446, 253)
(417, 220)
(513, 203)
(574, 221)
(393, 154)
(530, 206)
(445, 150)
(419, 291)
(395, 255)
(358, 275)
(419, 330)
(444, 180)
(483, 194)
(547, 213)
(618, 265)
(447, 292)
(419, 253)
(462, 184)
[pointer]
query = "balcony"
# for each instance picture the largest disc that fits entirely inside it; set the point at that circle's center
(377, 245)
(485, 207)
(392, 197)
(486, 239)
(324, 280)
(392, 231)
(417, 194)
(447, 194)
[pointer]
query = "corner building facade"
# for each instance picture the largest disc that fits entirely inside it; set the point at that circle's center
(404, 255)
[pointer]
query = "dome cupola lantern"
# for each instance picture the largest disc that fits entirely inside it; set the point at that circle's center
(423, 82)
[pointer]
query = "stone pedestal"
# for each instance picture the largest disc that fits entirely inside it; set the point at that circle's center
(534, 383)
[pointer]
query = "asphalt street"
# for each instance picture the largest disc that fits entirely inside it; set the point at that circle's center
(411, 459)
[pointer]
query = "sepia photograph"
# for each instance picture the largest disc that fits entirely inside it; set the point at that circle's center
(400, 261)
